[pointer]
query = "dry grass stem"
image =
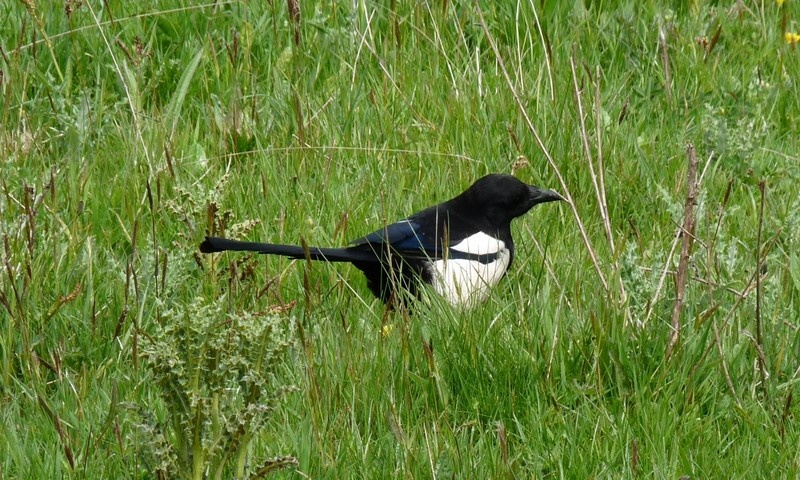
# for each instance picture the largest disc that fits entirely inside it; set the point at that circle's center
(739, 300)
(597, 172)
(587, 150)
(564, 189)
(759, 340)
(672, 248)
(294, 17)
(137, 126)
(724, 364)
(548, 61)
(600, 166)
(662, 42)
(689, 222)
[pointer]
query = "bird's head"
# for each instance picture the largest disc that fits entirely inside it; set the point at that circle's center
(503, 198)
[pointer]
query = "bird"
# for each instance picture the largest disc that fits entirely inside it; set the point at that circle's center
(461, 248)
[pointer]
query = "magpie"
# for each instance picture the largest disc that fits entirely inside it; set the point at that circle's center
(461, 247)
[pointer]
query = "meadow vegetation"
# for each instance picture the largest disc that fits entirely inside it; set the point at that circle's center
(648, 328)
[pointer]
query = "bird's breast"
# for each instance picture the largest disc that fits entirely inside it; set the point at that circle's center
(471, 267)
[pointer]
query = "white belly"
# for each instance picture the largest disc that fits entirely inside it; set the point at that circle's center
(467, 282)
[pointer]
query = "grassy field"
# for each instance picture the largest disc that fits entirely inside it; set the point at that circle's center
(614, 348)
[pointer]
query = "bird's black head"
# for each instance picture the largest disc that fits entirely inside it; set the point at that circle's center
(502, 198)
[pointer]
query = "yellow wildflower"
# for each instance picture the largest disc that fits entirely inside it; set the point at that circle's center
(387, 329)
(780, 2)
(792, 38)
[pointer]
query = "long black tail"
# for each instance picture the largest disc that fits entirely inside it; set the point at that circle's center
(353, 255)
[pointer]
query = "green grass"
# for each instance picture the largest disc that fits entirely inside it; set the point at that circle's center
(128, 134)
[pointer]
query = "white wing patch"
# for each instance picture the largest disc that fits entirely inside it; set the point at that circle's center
(480, 244)
(467, 282)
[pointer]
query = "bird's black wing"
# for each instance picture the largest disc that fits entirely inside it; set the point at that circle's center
(406, 236)
(414, 238)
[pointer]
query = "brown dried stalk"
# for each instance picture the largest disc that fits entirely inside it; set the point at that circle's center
(294, 16)
(762, 368)
(677, 237)
(689, 222)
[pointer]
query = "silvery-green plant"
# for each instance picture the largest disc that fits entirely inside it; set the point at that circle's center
(216, 374)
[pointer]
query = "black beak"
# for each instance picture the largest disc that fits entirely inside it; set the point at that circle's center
(540, 195)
